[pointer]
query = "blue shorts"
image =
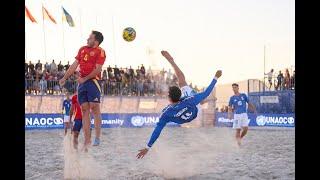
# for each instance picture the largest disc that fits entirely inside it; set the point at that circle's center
(89, 91)
(77, 125)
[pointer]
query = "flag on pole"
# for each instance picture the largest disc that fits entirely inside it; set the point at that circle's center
(67, 17)
(28, 14)
(47, 16)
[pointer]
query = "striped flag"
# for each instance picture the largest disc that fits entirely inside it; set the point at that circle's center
(28, 14)
(47, 16)
(67, 17)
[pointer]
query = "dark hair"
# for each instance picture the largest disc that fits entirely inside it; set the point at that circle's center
(98, 36)
(174, 93)
(235, 84)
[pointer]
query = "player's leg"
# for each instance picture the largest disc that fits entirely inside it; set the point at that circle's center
(94, 93)
(244, 124)
(95, 108)
(66, 126)
(76, 130)
(237, 127)
(181, 78)
(85, 108)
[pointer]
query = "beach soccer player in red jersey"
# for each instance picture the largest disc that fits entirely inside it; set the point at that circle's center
(90, 60)
(76, 117)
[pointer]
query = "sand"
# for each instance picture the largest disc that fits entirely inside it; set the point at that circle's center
(179, 153)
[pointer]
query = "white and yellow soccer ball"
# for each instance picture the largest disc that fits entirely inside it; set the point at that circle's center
(129, 34)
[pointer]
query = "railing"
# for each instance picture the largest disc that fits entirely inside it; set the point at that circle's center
(256, 85)
(134, 88)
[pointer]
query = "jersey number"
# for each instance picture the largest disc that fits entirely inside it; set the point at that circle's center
(85, 57)
(186, 116)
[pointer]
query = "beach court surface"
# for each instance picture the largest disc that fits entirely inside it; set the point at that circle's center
(179, 153)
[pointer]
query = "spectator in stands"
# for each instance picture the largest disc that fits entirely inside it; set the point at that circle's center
(60, 67)
(39, 66)
(47, 67)
(25, 67)
(287, 80)
(131, 72)
(43, 85)
(109, 70)
(279, 81)
(140, 88)
(66, 67)
(53, 67)
(116, 71)
(270, 76)
(293, 80)
(142, 70)
(31, 67)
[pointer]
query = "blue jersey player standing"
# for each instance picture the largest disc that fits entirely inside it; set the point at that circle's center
(180, 110)
(66, 105)
(238, 104)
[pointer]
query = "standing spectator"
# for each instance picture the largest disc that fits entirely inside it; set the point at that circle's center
(116, 71)
(31, 67)
(39, 66)
(270, 75)
(66, 67)
(53, 66)
(26, 67)
(131, 73)
(279, 81)
(43, 85)
(142, 70)
(138, 72)
(140, 88)
(60, 67)
(293, 80)
(287, 79)
(109, 70)
(47, 67)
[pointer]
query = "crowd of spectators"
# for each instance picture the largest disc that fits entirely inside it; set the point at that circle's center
(281, 81)
(43, 79)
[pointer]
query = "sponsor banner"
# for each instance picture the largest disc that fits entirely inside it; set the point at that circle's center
(55, 121)
(275, 120)
(269, 99)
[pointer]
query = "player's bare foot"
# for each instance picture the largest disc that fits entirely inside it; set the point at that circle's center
(239, 141)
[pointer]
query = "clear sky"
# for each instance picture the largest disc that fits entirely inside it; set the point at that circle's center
(202, 35)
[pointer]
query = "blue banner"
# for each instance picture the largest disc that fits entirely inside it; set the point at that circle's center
(128, 120)
(275, 120)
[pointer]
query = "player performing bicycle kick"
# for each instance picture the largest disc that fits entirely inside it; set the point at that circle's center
(180, 110)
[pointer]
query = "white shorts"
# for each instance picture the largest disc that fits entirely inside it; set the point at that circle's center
(66, 118)
(187, 91)
(240, 120)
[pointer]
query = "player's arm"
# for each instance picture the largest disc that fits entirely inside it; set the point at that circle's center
(156, 133)
(181, 78)
(92, 75)
(250, 105)
(62, 107)
(203, 95)
(69, 72)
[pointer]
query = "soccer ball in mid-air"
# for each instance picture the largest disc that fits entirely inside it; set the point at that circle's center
(129, 34)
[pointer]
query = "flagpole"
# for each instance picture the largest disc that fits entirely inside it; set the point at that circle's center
(114, 42)
(44, 36)
(63, 45)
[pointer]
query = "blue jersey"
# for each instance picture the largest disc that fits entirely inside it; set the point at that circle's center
(239, 103)
(66, 105)
(184, 111)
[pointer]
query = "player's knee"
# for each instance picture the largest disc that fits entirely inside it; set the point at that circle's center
(95, 108)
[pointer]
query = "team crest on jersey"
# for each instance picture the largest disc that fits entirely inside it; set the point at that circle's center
(82, 51)
(91, 53)
(242, 98)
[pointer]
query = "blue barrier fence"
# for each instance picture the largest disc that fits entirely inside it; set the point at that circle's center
(283, 101)
(271, 120)
(127, 120)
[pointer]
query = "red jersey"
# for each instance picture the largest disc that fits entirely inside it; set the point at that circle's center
(88, 58)
(76, 108)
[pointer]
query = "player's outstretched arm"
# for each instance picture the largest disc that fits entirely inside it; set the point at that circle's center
(203, 95)
(69, 72)
(181, 78)
(156, 133)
